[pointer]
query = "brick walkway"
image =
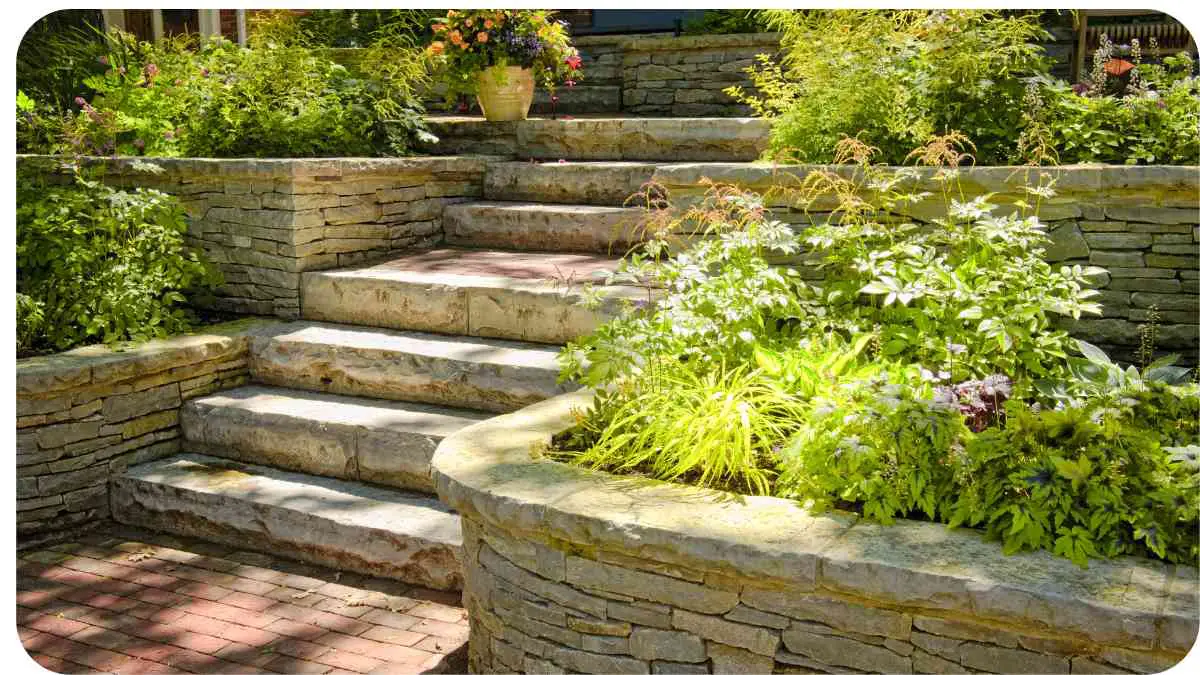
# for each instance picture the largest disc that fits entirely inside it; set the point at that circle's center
(130, 601)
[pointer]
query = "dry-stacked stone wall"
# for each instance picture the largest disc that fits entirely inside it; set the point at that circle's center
(264, 221)
(89, 413)
(685, 76)
(568, 570)
(1141, 224)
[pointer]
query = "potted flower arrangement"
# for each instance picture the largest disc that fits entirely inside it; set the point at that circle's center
(500, 55)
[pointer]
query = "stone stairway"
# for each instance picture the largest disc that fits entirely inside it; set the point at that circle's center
(326, 456)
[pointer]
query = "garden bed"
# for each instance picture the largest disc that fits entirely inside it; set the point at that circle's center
(597, 573)
(264, 221)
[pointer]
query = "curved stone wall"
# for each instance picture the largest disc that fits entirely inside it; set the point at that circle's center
(572, 570)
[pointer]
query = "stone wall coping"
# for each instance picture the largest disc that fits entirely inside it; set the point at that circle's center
(100, 364)
(494, 471)
(669, 42)
(1070, 178)
(294, 167)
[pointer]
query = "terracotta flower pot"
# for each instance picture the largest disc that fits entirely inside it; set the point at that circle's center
(505, 93)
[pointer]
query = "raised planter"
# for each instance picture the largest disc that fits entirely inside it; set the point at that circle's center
(578, 570)
(87, 414)
(264, 221)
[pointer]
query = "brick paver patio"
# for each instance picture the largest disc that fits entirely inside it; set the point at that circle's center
(130, 601)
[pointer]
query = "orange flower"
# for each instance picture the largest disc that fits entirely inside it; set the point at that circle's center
(481, 36)
(437, 47)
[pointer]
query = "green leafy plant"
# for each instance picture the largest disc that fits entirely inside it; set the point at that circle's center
(715, 297)
(467, 42)
(96, 264)
(714, 427)
(896, 78)
(217, 99)
(880, 443)
(966, 295)
(1084, 482)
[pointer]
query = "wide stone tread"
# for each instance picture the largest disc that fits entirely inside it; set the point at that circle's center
(654, 139)
(596, 183)
(533, 226)
(505, 294)
(455, 371)
(340, 524)
(384, 442)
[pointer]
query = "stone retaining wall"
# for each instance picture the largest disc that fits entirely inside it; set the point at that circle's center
(87, 414)
(1140, 223)
(574, 571)
(264, 221)
(661, 75)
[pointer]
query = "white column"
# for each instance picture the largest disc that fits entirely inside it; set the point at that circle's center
(241, 26)
(113, 18)
(156, 24)
(210, 22)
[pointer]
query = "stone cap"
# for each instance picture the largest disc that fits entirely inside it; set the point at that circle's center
(494, 471)
(669, 42)
(261, 168)
(101, 364)
(1069, 177)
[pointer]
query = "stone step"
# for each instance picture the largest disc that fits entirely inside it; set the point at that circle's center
(340, 524)
(384, 442)
(596, 183)
(455, 371)
(531, 226)
(656, 139)
(504, 294)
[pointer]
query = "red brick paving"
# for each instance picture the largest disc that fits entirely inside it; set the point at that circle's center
(129, 601)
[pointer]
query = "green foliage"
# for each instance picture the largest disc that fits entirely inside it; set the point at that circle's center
(713, 427)
(269, 100)
(879, 442)
(1084, 482)
(725, 21)
(722, 299)
(96, 264)
(57, 53)
(1157, 122)
(967, 295)
(896, 78)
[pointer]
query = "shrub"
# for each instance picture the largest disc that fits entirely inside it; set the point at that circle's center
(721, 296)
(881, 443)
(1156, 120)
(896, 78)
(221, 100)
(1084, 481)
(96, 264)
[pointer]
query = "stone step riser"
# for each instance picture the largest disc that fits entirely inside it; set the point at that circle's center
(337, 524)
(458, 372)
(599, 183)
(548, 312)
(543, 227)
(320, 434)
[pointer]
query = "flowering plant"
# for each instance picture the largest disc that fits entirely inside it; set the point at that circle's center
(467, 42)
